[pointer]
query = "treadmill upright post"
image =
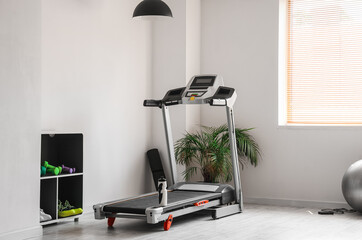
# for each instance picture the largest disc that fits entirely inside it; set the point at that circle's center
(169, 141)
(234, 156)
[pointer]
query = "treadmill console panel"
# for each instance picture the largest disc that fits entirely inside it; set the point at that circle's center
(201, 88)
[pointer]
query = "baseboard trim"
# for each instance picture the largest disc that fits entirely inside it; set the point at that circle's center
(22, 234)
(295, 203)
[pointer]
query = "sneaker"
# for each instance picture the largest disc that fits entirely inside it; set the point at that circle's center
(60, 206)
(66, 213)
(67, 205)
(67, 210)
(44, 216)
(78, 211)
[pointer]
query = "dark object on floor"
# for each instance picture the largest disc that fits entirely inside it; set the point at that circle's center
(329, 211)
(156, 165)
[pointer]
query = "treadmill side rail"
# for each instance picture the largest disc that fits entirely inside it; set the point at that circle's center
(156, 214)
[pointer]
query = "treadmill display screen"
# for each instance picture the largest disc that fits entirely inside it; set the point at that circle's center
(203, 82)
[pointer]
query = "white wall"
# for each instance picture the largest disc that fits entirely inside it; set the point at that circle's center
(175, 59)
(240, 42)
(168, 72)
(19, 117)
(193, 42)
(96, 72)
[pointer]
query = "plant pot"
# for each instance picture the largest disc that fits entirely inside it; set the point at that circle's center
(208, 172)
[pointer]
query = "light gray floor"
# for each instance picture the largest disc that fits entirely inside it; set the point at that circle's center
(256, 222)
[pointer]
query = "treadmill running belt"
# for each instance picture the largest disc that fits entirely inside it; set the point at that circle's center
(139, 205)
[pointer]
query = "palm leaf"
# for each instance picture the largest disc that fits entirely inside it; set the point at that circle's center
(189, 172)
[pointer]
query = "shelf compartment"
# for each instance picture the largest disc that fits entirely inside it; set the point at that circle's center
(48, 197)
(67, 149)
(71, 189)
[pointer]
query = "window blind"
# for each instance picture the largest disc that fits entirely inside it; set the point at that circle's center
(324, 62)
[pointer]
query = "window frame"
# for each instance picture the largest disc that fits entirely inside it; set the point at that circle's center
(283, 52)
(282, 62)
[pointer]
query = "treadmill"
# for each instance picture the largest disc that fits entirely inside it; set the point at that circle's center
(185, 197)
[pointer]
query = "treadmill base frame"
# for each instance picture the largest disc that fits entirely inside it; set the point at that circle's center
(223, 211)
(155, 215)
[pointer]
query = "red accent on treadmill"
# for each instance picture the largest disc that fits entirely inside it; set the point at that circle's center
(111, 221)
(200, 203)
(167, 223)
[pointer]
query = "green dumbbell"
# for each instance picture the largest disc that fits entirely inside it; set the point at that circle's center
(52, 169)
(43, 170)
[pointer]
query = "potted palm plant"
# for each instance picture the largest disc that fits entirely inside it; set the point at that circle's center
(208, 151)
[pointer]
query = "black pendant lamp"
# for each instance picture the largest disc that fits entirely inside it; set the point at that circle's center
(152, 8)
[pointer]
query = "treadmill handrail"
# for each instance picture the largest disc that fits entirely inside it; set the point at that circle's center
(152, 103)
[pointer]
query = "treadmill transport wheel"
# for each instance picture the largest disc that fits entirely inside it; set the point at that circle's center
(111, 221)
(167, 223)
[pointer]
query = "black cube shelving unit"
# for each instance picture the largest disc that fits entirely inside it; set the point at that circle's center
(58, 149)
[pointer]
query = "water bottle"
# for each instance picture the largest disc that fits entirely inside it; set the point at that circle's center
(162, 192)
